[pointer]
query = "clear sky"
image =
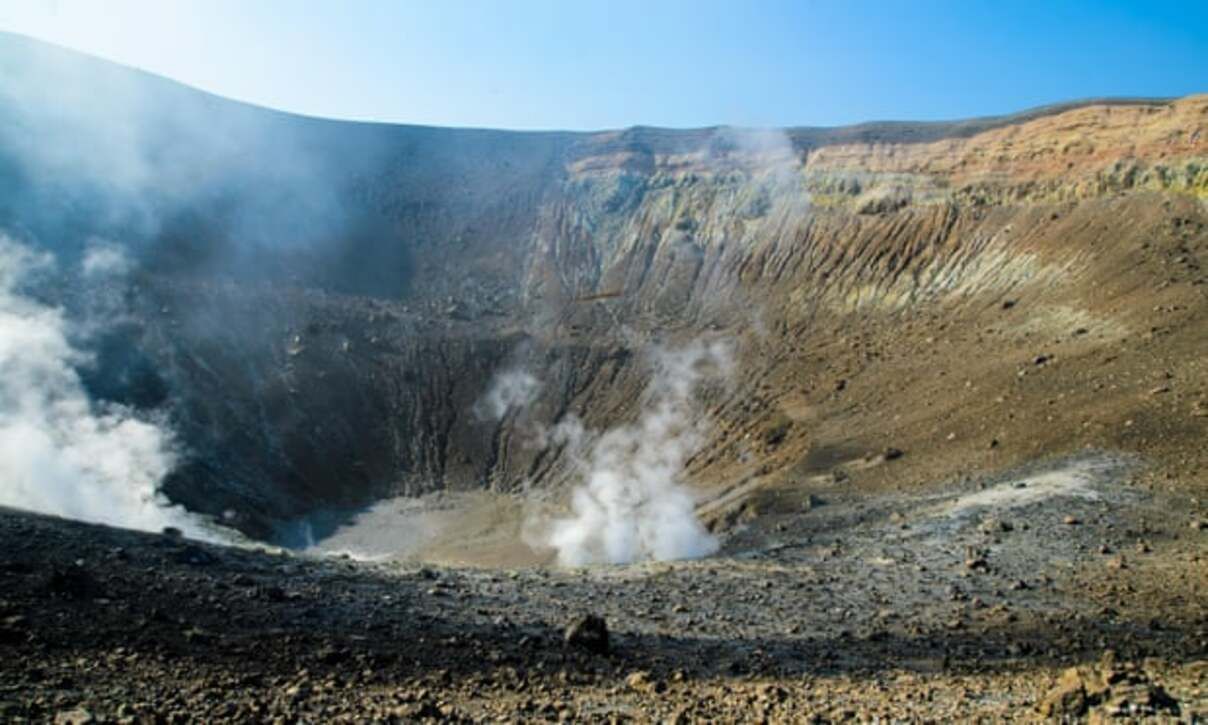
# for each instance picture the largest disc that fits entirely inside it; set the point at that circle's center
(585, 64)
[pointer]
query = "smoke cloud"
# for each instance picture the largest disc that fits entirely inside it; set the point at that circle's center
(632, 504)
(59, 453)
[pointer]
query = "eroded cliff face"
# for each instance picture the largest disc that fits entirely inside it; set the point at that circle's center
(322, 332)
(883, 223)
(894, 294)
(786, 249)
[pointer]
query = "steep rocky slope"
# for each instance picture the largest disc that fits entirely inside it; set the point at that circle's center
(880, 294)
(320, 305)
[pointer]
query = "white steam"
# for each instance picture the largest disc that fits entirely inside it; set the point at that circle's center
(510, 390)
(104, 259)
(59, 453)
(632, 505)
(760, 147)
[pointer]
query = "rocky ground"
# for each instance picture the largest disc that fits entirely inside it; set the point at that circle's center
(1061, 590)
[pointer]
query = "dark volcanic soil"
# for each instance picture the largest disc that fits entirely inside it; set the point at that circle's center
(969, 601)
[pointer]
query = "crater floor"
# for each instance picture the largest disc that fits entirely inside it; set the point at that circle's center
(969, 599)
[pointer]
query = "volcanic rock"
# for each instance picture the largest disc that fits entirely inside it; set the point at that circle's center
(78, 716)
(1068, 699)
(590, 633)
(996, 526)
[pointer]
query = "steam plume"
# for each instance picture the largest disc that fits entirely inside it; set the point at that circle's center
(104, 260)
(510, 390)
(632, 505)
(60, 454)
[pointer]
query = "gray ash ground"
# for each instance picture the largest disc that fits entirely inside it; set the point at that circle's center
(968, 600)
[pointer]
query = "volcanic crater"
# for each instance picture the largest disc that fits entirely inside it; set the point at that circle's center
(946, 445)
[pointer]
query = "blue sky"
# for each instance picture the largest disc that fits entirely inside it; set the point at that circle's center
(579, 64)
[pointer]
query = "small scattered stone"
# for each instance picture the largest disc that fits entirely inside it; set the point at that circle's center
(78, 716)
(589, 632)
(196, 635)
(996, 526)
(332, 655)
(1067, 699)
(640, 681)
(297, 691)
